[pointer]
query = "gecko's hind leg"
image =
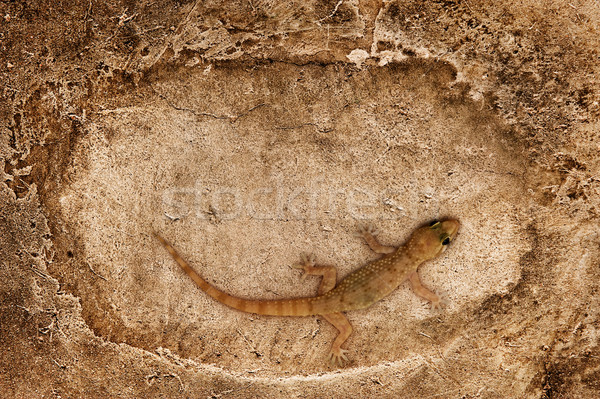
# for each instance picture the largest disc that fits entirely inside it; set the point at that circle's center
(368, 232)
(339, 321)
(329, 273)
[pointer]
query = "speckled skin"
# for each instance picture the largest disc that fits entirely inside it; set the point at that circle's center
(358, 290)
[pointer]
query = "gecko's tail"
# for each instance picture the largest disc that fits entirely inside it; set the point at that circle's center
(291, 307)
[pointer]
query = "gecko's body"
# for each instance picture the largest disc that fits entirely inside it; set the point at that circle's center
(358, 290)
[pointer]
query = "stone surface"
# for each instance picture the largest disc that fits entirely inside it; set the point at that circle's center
(249, 132)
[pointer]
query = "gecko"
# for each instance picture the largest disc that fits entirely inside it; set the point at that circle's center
(359, 290)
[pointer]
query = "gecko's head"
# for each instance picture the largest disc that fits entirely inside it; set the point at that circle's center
(431, 240)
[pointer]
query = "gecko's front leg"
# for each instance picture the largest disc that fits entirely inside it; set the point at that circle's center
(337, 355)
(368, 232)
(436, 301)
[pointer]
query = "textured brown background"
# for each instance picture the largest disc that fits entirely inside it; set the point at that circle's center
(244, 131)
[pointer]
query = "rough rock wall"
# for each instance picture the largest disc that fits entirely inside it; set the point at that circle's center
(248, 132)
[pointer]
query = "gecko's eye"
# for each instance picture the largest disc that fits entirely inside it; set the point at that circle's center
(446, 241)
(432, 224)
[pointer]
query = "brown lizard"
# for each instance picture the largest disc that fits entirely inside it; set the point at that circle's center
(358, 290)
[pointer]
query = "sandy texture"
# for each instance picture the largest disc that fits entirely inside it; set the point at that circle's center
(249, 132)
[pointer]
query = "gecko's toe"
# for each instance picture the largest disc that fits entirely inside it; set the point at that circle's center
(360, 230)
(441, 302)
(343, 358)
(338, 357)
(304, 256)
(307, 259)
(301, 266)
(372, 230)
(366, 229)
